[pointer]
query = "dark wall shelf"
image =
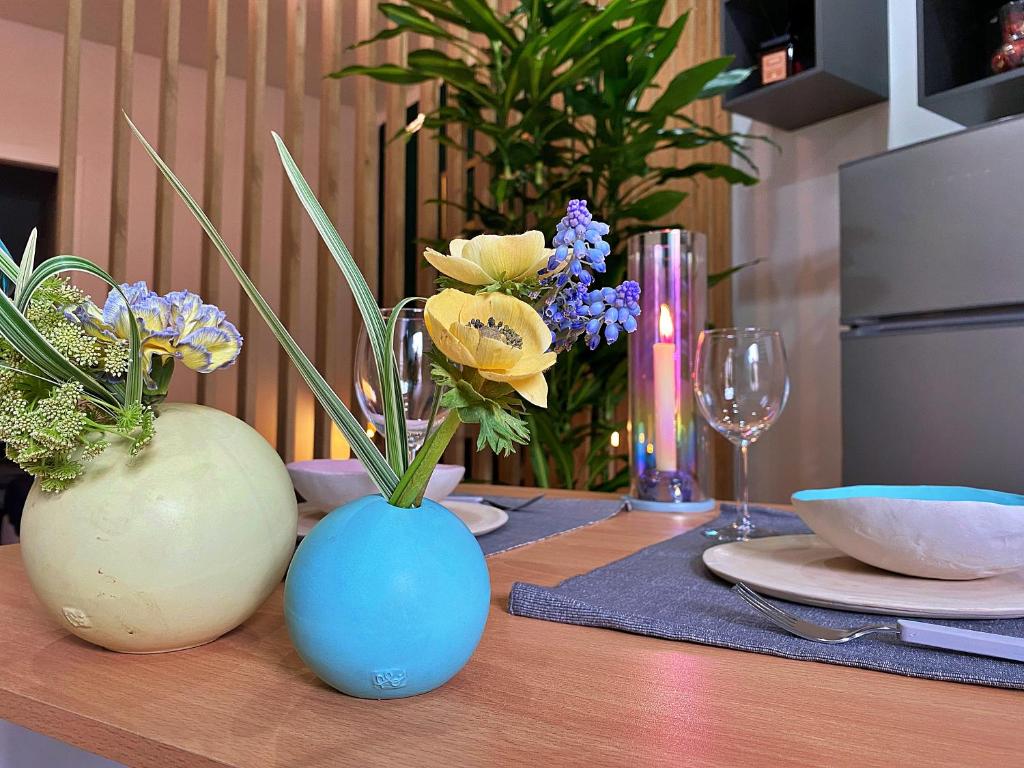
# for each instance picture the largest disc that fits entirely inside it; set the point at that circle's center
(844, 45)
(955, 42)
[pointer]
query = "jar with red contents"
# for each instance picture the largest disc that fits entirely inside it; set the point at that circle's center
(1010, 54)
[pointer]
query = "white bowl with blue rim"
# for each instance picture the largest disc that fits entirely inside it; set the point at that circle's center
(929, 531)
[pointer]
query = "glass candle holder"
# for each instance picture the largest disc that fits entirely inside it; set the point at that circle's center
(668, 440)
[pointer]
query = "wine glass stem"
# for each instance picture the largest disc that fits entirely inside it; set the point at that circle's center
(743, 524)
(414, 441)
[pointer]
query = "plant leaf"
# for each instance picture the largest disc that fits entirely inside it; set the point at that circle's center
(439, 9)
(383, 351)
(478, 16)
(409, 492)
(384, 34)
(58, 264)
(649, 67)
(686, 86)
(560, 452)
(410, 20)
(28, 261)
(654, 205)
(581, 66)
(379, 470)
(387, 73)
(437, 65)
(8, 266)
(716, 277)
(538, 458)
(724, 81)
(725, 171)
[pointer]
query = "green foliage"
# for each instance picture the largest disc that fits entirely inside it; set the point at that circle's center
(53, 427)
(565, 93)
(62, 393)
(492, 405)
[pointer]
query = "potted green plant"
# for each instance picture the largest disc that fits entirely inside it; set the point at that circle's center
(567, 100)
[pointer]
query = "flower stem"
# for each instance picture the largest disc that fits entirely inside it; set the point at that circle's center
(413, 483)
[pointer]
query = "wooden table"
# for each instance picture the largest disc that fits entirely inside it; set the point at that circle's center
(536, 693)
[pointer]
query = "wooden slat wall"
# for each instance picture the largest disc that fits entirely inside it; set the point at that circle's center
(514, 469)
(166, 144)
(453, 189)
(429, 219)
(330, 327)
(427, 185)
(122, 138)
(252, 192)
(332, 350)
(213, 154)
(291, 215)
(393, 254)
(69, 129)
(365, 246)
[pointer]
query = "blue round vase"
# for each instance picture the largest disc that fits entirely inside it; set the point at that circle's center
(383, 602)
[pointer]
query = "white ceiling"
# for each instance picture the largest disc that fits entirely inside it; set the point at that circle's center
(101, 19)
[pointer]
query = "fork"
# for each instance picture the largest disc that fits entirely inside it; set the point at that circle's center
(517, 507)
(914, 632)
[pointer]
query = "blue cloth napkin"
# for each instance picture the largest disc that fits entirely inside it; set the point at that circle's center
(544, 518)
(666, 591)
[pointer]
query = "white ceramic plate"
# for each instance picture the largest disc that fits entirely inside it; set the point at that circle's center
(804, 569)
(479, 518)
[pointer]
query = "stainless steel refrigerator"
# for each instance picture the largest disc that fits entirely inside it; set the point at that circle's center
(932, 284)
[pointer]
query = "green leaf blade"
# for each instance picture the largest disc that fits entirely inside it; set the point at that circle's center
(386, 73)
(395, 436)
(379, 470)
(687, 86)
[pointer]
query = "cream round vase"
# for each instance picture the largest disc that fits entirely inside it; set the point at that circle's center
(171, 548)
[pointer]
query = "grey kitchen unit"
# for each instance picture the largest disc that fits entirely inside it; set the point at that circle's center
(932, 287)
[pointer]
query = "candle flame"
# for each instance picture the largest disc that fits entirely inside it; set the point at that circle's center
(370, 430)
(665, 327)
(615, 439)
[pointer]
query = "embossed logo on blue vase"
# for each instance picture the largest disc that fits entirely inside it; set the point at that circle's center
(389, 678)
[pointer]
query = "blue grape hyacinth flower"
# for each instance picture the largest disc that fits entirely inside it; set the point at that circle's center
(614, 310)
(575, 306)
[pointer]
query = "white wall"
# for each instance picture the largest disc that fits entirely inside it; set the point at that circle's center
(791, 222)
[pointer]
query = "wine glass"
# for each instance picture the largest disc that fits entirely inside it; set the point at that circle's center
(741, 385)
(412, 347)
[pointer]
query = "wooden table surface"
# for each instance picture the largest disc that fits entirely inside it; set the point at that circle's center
(535, 693)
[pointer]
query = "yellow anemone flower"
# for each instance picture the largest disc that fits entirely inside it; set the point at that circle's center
(488, 259)
(503, 338)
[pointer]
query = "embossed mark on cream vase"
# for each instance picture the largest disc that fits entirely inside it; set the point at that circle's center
(76, 617)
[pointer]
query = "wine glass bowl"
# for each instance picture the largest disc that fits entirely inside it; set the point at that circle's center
(741, 387)
(412, 347)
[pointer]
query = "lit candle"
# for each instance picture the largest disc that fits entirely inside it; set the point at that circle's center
(665, 395)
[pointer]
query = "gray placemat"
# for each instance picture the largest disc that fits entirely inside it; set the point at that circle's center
(666, 591)
(543, 519)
